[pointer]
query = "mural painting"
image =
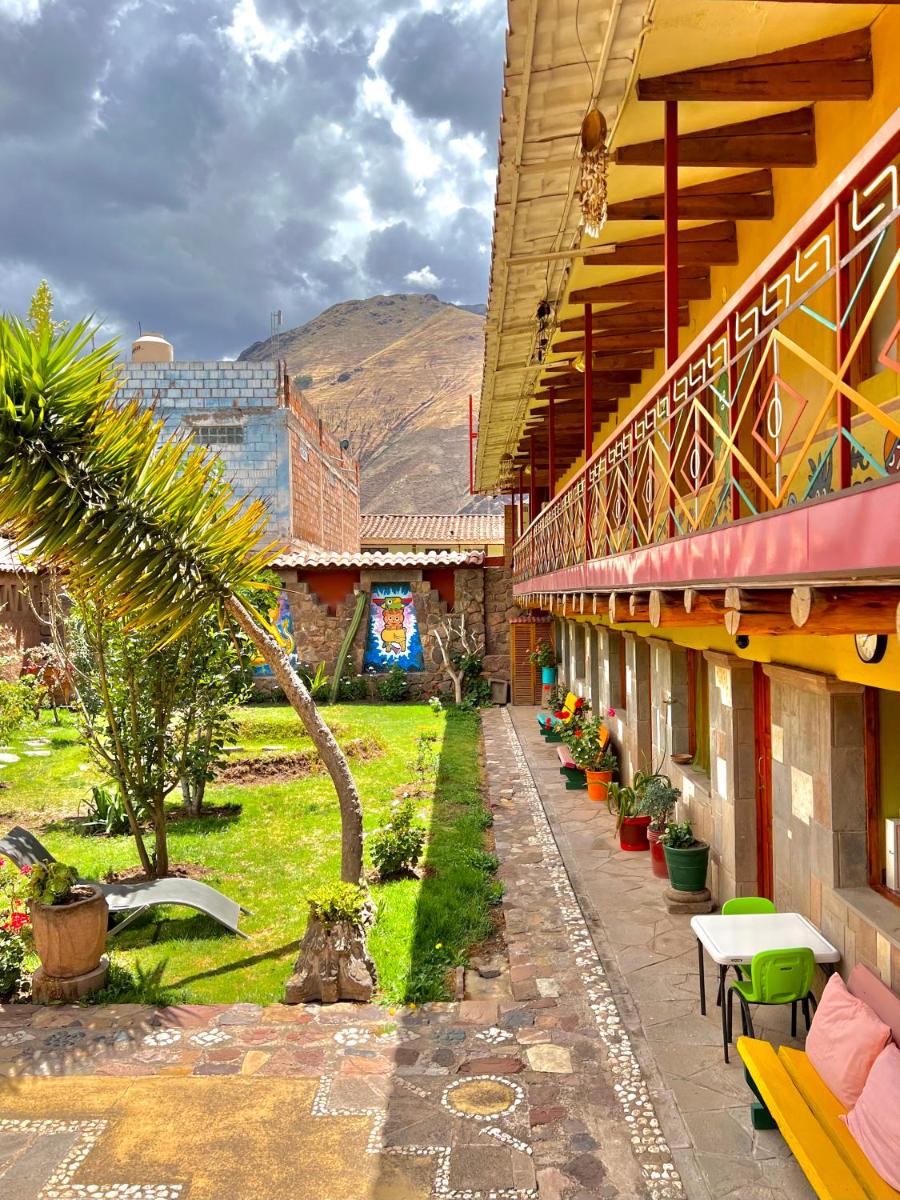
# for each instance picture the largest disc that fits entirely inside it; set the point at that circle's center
(282, 628)
(393, 634)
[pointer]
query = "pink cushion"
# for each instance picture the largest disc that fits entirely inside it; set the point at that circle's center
(874, 1120)
(845, 1039)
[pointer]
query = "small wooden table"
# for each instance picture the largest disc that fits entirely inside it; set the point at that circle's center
(733, 941)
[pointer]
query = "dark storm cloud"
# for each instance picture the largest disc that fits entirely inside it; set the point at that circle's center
(194, 166)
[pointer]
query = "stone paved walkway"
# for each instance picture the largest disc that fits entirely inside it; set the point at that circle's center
(651, 964)
(548, 1092)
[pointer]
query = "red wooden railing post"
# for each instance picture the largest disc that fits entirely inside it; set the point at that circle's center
(588, 421)
(670, 270)
(842, 339)
(734, 466)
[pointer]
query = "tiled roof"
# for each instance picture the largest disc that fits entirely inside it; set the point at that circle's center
(477, 528)
(315, 557)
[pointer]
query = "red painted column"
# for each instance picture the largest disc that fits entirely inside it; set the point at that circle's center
(521, 501)
(551, 437)
(842, 296)
(733, 412)
(588, 420)
(532, 481)
(670, 229)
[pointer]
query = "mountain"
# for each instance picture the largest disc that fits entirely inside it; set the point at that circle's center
(394, 374)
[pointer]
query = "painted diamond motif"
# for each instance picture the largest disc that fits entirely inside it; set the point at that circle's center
(772, 417)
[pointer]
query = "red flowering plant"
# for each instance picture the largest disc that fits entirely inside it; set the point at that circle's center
(15, 926)
(588, 745)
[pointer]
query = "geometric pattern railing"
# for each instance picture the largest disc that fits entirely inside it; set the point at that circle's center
(793, 393)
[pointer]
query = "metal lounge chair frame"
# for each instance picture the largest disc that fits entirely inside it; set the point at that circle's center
(24, 849)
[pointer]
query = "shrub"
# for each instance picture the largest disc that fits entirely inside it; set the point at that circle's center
(16, 705)
(316, 679)
(14, 927)
(353, 687)
(397, 846)
(435, 704)
(50, 883)
(394, 686)
(679, 835)
(12, 962)
(481, 860)
(105, 813)
(426, 753)
(543, 656)
(333, 902)
(477, 693)
(658, 802)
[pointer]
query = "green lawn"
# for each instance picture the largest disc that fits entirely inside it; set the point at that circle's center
(285, 840)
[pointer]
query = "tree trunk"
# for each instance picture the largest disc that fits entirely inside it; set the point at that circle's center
(322, 737)
(457, 678)
(161, 847)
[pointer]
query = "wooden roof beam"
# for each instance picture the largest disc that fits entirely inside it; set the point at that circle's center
(782, 140)
(641, 339)
(625, 317)
(693, 284)
(715, 243)
(831, 68)
(571, 378)
(745, 197)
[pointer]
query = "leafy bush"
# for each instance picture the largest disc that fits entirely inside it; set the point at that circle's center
(495, 893)
(398, 845)
(14, 927)
(333, 902)
(394, 686)
(316, 679)
(12, 962)
(50, 883)
(658, 802)
(16, 705)
(426, 753)
(679, 835)
(105, 813)
(543, 656)
(477, 693)
(353, 687)
(481, 860)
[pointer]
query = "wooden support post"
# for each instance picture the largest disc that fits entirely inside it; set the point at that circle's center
(734, 466)
(669, 610)
(844, 610)
(703, 608)
(639, 606)
(588, 421)
(628, 607)
(551, 440)
(842, 340)
(760, 612)
(618, 607)
(521, 501)
(670, 229)
(532, 479)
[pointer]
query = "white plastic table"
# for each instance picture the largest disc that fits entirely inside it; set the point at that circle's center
(733, 940)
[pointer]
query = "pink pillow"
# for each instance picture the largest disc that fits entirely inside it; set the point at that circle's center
(845, 1039)
(874, 1121)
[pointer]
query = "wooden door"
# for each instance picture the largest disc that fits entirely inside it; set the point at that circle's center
(522, 642)
(762, 721)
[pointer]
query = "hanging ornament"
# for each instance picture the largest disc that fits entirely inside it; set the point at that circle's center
(594, 171)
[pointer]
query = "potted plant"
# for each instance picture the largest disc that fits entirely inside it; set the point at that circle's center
(544, 657)
(631, 824)
(68, 920)
(658, 803)
(686, 858)
(590, 751)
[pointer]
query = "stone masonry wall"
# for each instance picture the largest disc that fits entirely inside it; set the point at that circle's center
(498, 611)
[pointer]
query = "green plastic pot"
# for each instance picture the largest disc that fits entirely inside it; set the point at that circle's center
(687, 868)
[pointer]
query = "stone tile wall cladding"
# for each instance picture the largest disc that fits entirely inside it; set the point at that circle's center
(280, 450)
(818, 778)
(484, 594)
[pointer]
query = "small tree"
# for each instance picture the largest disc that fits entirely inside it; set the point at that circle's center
(460, 648)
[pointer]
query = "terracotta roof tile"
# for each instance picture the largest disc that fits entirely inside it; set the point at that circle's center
(315, 557)
(476, 528)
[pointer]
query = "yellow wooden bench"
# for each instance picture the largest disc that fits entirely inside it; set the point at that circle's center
(808, 1116)
(552, 726)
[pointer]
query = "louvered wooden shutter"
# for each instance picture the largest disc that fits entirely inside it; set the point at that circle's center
(523, 673)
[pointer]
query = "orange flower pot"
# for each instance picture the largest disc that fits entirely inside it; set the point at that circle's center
(597, 783)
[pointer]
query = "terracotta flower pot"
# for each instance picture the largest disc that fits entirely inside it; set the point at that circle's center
(657, 854)
(633, 833)
(597, 783)
(70, 938)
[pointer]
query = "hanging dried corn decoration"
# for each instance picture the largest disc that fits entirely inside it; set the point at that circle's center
(594, 169)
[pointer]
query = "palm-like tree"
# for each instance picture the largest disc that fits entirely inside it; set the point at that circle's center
(90, 486)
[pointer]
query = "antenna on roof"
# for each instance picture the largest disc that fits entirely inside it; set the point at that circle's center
(275, 326)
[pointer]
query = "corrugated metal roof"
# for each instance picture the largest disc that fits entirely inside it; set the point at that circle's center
(312, 557)
(479, 528)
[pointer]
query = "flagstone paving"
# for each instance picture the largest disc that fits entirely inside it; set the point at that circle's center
(545, 1092)
(650, 959)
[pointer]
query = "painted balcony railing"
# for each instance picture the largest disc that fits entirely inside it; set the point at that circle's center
(791, 393)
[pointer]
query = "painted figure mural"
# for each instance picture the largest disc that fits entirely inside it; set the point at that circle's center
(282, 623)
(393, 635)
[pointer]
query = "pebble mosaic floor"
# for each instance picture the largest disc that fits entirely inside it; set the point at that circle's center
(536, 1093)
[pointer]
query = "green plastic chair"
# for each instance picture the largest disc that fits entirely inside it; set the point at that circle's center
(776, 977)
(740, 906)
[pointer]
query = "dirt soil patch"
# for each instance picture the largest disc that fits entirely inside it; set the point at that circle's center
(224, 812)
(292, 764)
(176, 871)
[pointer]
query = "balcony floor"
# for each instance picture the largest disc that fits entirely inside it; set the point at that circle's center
(650, 959)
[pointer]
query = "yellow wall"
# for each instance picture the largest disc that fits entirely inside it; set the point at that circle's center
(842, 130)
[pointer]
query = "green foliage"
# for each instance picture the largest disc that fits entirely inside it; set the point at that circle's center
(333, 902)
(148, 521)
(435, 704)
(40, 314)
(50, 883)
(105, 812)
(658, 801)
(583, 739)
(426, 753)
(16, 706)
(398, 845)
(557, 697)
(679, 835)
(482, 861)
(495, 893)
(316, 679)
(476, 693)
(543, 655)
(394, 686)
(12, 963)
(353, 687)
(15, 928)
(622, 801)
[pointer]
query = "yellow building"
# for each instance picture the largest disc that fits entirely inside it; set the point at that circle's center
(697, 412)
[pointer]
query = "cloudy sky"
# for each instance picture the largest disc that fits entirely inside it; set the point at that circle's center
(195, 164)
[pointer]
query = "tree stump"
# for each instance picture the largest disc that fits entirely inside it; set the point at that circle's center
(333, 964)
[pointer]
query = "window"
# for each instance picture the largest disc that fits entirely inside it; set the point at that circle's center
(882, 711)
(220, 435)
(698, 709)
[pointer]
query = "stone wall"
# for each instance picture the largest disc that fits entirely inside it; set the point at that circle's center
(21, 597)
(483, 594)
